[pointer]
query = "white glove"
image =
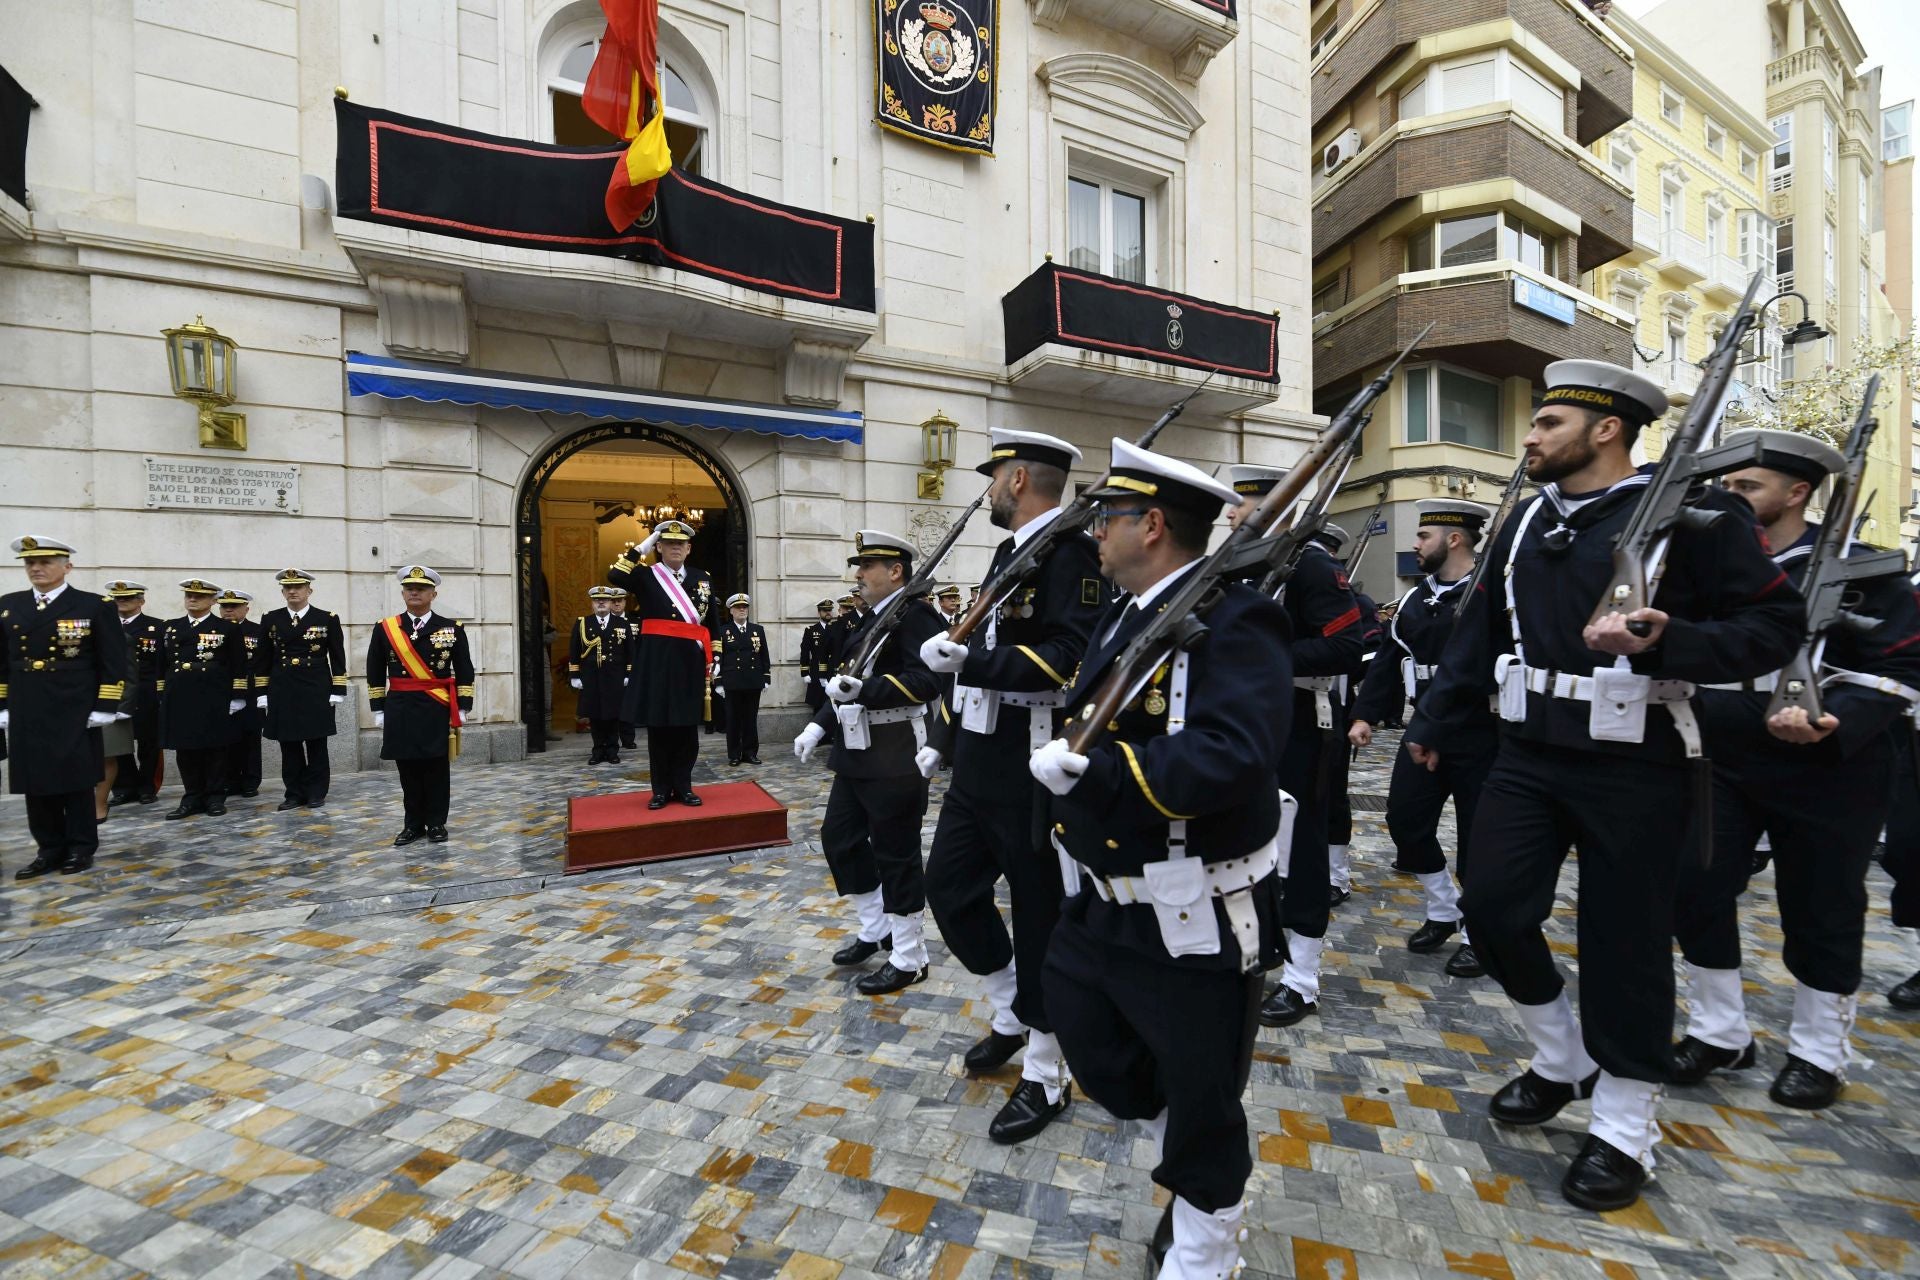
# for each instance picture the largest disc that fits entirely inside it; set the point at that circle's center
(236, 706)
(575, 682)
(99, 719)
(625, 681)
(379, 719)
(121, 715)
(719, 690)
(335, 699)
(843, 688)
(928, 761)
(261, 702)
(648, 543)
(1056, 768)
(943, 655)
(3, 719)
(810, 737)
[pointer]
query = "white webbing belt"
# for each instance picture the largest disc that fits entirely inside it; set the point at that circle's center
(1231, 877)
(1878, 684)
(980, 711)
(1322, 688)
(1759, 684)
(856, 722)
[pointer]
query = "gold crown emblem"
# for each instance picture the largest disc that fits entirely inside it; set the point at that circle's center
(415, 571)
(29, 544)
(938, 16)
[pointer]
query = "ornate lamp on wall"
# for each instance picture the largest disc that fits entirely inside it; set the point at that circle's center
(937, 439)
(200, 361)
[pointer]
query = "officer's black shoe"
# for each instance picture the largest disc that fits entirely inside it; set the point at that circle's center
(77, 864)
(658, 802)
(1336, 895)
(1906, 995)
(182, 810)
(1285, 1007)
(1603, 1177)
(119, 798)
(886, 980)
(733, 761)
(1432, 935)
(436, 835)
(1804, 1087)
(688, 798)
(148, 797)
(291, 802)
(1533, 1099)
(250, 793)
(753, 759)
(993, 1052)
(216, 809)
(1027, 1112)
(407, 836)
(1162, 1243)
(1465, 963)
(321, 803)
(628, 744)
(1695, 1060)
(858, 952)
(40, 866)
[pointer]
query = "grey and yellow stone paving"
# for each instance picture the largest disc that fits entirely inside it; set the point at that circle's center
(274, 1046)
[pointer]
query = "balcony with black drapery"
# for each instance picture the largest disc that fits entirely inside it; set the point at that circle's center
(1079, 333)
(16, 107)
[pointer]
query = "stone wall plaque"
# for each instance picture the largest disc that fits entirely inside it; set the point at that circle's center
(201, 484)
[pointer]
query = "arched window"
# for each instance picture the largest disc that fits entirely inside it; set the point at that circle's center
(690, 114)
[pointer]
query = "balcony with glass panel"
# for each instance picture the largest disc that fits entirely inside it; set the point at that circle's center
(1681, 256)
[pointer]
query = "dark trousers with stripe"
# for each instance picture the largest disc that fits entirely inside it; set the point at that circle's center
(671, 752)
(140, 772)
(305, 771)
(426, 787)
(743, 723)
(63, 826)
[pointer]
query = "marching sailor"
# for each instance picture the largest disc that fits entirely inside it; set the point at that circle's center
(742, 670)
(302, 677)
(599, 658)
(1170, 831)
(420, 686)
(1338, 761)
(243, 755)
(816, 665)
(1819, 789)
(1327, 633)
(871, 830)
(207, 684)
(63, 669)
(1599, 749)
(1422, 623)
(1008, 678)
(138, 776)
(667, 603)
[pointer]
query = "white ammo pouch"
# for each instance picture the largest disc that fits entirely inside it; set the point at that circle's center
(1181, 889)
(856, 724)
(1617, 696)
(980, 711)
(1322, 688)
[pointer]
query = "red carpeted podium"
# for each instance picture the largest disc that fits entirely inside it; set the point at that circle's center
(619, 830)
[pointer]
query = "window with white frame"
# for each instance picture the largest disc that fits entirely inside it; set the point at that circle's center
(1829, 152)
(1481, 237)
(1784, 360)
(1863, 187)
(1781, 173)
(1896, 131)
(1676, 350)
(1716, 136)
(1451, 406)
(1324, 32)
(1673, 107)
(1330, 294)
(1716, 230)
(1828, 237)
(1756, 245)
(1749, 163)
(1108, 224)
(690, 113)
(1622, 161)
(1481, 78)
(1673, 212)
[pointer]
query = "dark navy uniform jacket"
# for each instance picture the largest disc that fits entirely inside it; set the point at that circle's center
(58, 665)
(898, 679)
(1420, 629)
(741, 655)
(1734, 615)
(417, 722)
(207, 668)
(300, 666)
(1330, 629)
(1217, 773)
(600, 657)
(146, 634)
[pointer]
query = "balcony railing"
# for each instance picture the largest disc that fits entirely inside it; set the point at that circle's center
(1812, 60)
(1646, 230)
(1682, 254)
(1681, 378)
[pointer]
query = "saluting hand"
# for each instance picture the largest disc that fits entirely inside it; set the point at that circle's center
(1610, 634)
(1792, 725)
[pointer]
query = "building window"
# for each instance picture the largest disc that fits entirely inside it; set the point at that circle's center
(1749, 163)
(1526, 245)
(1330, 295)
(1866, 316)
(1673, 212)
(1324, 32)
(1828, 238)
(1716, 136)
(1716, 232)
(1483, 78)
(1672, 106)
(1478, 238)
(1784, 361)
(1783, 255)
(1864, 187)
(1829, 168)
(1107, 229)
(1896, 131)
(1621, 160)
(1757, 248)
(690, 116)
(1451, 406)
(1781, 176)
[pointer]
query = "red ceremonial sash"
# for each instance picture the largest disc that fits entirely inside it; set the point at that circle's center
(679, 631)
(419, 677)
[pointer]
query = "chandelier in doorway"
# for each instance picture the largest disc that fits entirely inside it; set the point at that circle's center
(672, 508)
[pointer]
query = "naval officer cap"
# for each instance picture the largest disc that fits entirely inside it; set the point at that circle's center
(950, 591)
(1451, 513)
(850, 598)
(294, 577)
(1606, 389)
(878, 544)
(674, 531)
(1789, 452)
(199, 587)
(417, 575)
(739, 597)
(824, 604)
(1028, 446)
(32, 548)
(233, 595)
(604, 593)
(1331, 536)
(1253, 481)
(1136, 472)
(122, 589)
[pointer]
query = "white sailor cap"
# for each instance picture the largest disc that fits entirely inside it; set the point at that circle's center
(1028, 446)
(234, 596)
(674, 531)
(1605, 388)
(1252, 481)
(738, 597)
(878, 544)
(32, 548)
(122, 589)
(1137, 472)
(604, 593)
(1800, 456)
(199, 587)
(1452, 513)
(417, 575)
(1331, 536)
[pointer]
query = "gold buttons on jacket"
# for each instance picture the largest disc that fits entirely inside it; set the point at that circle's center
(1113, 844)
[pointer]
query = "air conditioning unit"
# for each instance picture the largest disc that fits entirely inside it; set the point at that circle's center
(1340, 150)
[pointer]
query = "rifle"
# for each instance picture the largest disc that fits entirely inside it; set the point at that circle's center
(861, 659)
(1074, 518)
(1830, 572)
(1181, 623)
(1509, 499)
(1640, 553)
(1366, 536)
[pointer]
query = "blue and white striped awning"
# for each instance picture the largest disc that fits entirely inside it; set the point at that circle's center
(409, 380)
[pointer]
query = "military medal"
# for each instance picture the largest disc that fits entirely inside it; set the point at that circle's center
(1155, 704)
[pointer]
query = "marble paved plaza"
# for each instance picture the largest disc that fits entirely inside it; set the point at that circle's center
(271, 1045)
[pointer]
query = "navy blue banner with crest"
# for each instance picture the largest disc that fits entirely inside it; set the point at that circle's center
(935, 70)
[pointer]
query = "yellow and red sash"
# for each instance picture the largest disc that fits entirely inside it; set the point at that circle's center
(419, 678)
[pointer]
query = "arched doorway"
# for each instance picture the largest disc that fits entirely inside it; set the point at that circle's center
(584, 500)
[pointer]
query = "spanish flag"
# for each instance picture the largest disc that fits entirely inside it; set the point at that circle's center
(622, 89)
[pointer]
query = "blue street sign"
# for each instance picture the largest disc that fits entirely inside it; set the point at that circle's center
(1535, 296)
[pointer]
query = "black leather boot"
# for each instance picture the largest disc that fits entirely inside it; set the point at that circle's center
(1534, 1099)
(1603, 1177)
(1695, 1060)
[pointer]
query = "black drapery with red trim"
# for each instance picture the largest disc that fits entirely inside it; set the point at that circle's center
(426, 176)
(1100, 313)
(16, 104)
